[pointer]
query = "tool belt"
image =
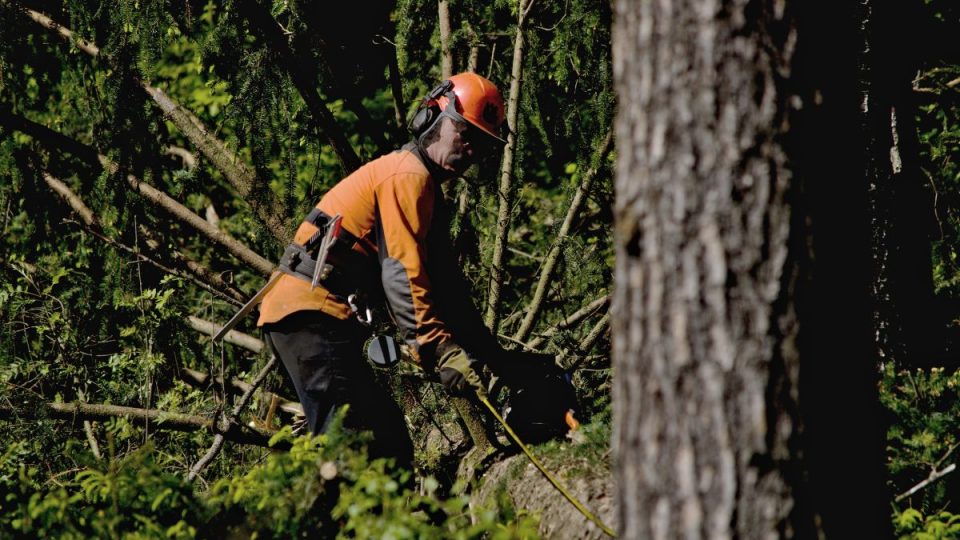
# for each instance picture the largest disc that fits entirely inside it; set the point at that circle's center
(346, 271)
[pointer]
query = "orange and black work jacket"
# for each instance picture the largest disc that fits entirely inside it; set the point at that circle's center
(394, 207)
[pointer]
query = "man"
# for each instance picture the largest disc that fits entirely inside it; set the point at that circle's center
(391, 241)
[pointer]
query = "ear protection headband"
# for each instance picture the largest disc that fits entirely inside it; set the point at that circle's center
(429, 111)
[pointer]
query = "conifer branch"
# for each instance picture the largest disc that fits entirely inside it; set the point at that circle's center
(158, 419)
(235, 170)
(201, 276)
(61, 142)
(201, 225)
(573, 319)
(229, 421)
(264, 24)
(271, 213)
(506, 189)
(553, 256)
(219, 286)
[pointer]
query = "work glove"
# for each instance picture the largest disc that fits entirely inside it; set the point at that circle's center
(459, 373)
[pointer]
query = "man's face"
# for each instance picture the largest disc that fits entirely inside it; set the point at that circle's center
(459, 146)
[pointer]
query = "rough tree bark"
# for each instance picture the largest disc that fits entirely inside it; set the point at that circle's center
(744, 403)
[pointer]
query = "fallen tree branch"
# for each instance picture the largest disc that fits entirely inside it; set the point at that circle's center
(235, 170)
(598, 330)
(200, 275)
(62, 142)
(210, 328)
(236, 386)
(573, 319)
(199, 272)
(158, 419)
(553, 256)
(228, 422)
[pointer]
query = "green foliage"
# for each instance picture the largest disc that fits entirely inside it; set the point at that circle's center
(322, 483)
(911, 524)
(924, 423)
(90, 318)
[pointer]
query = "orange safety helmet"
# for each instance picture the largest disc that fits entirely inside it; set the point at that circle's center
(478, 101)
(467, 97)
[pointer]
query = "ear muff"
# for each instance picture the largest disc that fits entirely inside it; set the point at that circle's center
(429, 111)
(424, 118)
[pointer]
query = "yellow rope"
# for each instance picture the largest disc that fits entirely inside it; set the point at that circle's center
(573, 500)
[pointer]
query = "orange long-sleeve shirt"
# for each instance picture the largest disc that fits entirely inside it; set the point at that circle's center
(388, 204)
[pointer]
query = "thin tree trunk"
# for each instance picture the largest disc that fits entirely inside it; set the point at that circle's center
(235, 170)
(396, 89)
(505, 193)
(902, 210)
(553, 256)
(446, 55)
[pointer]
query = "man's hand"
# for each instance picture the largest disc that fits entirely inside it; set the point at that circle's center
(459, 373)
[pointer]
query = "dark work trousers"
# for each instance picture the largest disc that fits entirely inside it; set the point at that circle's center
(324, 357)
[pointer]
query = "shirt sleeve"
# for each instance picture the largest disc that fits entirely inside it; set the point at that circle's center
(405, 205)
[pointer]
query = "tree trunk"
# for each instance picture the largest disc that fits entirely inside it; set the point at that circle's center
(900, 205)
(505, 193)
(744, 403)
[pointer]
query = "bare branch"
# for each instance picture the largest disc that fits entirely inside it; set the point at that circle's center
(573, 319)
(66, 33)
(934, 476)
(240, 339)
(72, 199)
(189, 160)
(61, 142)
(236, 386)
(184, 214)
(201, 276)
(553, 256)
(228, 422)
(91, 439)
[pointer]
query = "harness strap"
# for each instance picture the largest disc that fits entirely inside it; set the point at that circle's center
(319, 219)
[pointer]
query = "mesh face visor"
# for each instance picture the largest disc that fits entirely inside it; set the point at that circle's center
(484, 145)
